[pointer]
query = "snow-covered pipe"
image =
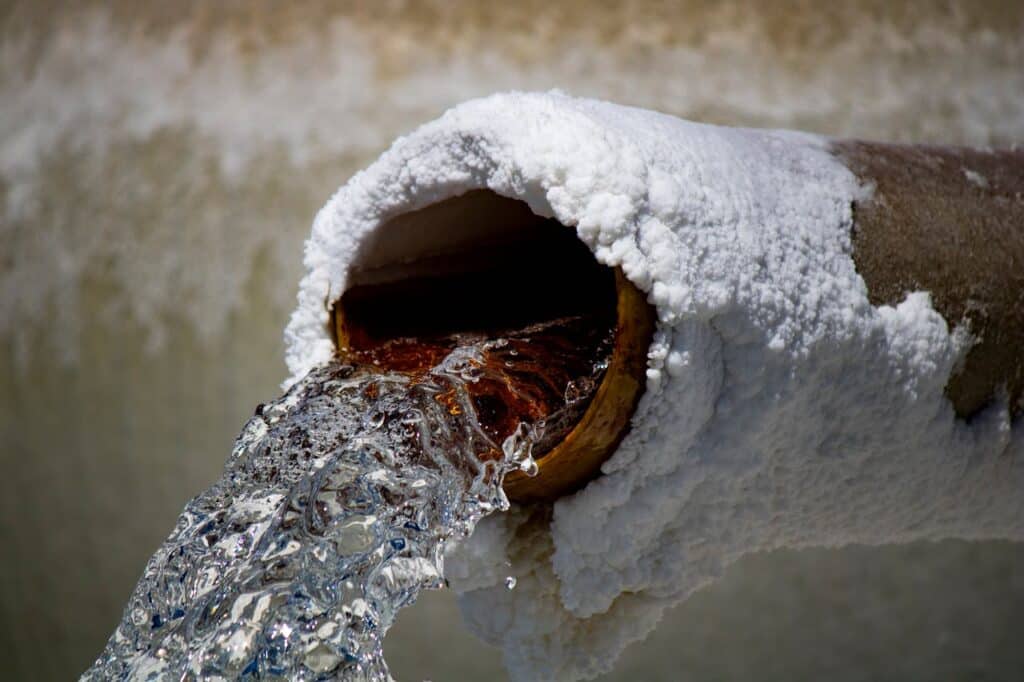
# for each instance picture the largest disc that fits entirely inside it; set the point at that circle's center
(824, 312)
(505, 268)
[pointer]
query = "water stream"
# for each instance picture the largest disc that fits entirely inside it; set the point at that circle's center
(338, 501)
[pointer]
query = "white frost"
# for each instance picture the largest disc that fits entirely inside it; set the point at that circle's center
(782, 409)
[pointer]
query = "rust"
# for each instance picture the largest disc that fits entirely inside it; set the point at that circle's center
(561, 314)
(949, 221)
(522, 379)
(577, 458)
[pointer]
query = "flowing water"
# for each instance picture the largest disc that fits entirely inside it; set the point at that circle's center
(338, 501)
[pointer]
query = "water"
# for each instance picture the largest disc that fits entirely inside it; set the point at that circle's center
(337, 503)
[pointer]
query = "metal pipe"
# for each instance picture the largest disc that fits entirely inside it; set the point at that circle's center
(949, 221)
(945, 220)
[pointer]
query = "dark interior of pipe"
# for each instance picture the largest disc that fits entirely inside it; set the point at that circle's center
(474, 263)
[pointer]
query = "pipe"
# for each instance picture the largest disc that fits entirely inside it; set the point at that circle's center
(946, 220)
(790, 400)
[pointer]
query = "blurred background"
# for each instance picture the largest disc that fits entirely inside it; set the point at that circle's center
(160, 165)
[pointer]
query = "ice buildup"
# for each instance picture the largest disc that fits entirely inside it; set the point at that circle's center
(782, 409)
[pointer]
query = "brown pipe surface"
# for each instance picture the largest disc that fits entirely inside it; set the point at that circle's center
(949, 221)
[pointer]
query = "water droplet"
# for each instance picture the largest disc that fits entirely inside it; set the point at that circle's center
(529, 467)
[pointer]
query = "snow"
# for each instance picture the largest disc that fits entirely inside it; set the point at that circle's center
(782, 409)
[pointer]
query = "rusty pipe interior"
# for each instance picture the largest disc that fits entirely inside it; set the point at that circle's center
(483, 263)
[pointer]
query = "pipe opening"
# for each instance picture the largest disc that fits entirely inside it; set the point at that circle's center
(482, 264)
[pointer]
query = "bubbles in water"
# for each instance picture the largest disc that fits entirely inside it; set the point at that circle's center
(375, 420)
(529, 467)
(579, 389)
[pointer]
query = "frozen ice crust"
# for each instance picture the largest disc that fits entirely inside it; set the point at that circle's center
(782, 409)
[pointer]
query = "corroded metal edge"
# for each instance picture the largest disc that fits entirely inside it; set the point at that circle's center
(577, 460)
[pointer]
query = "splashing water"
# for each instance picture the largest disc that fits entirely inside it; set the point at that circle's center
(334, 510)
